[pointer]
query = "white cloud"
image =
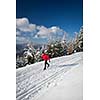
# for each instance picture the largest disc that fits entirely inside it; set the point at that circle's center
(22, 21)
(18, 33)
(21, 40)
(25, 30)
(54, 29)
(49, 32)
(43, 32)
(23, 25)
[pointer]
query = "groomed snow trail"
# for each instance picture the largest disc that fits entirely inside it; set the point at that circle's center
(32, 81)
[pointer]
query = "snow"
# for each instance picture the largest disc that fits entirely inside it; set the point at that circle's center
(70, 88)
(61, 81)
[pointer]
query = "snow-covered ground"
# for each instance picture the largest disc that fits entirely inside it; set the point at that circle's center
(61, 81)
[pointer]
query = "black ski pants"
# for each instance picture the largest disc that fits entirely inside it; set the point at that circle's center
(46, 63)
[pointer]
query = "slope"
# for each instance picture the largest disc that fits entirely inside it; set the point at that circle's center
(32, 82)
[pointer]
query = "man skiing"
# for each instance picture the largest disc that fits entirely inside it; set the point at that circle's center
(45, 57)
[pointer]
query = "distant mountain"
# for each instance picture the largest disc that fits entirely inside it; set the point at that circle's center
(20, 48)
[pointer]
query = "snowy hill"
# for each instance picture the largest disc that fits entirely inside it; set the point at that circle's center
(61, 81)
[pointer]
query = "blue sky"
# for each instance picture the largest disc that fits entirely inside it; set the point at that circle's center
(66, 14)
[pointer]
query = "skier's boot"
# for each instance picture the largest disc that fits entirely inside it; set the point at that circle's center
(44, 69)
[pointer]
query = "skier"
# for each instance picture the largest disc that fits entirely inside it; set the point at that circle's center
(45, 57)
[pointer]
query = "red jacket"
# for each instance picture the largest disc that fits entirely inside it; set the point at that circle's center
(45, 57)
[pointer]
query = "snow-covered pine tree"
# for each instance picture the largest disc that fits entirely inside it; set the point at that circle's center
(81, 39)
(70, 48)
(56, 49)
(38, 55)
(78, 42)
(28, 54)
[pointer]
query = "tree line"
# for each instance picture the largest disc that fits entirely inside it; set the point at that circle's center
(55, 48)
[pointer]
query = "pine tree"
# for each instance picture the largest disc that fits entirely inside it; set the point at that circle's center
(81, 39)
(56, 49)
(70, 48)
(78, 42)
(28, 54)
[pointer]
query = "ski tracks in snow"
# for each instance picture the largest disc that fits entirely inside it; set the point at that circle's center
(31, 80)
